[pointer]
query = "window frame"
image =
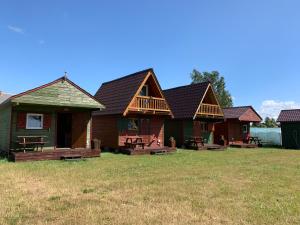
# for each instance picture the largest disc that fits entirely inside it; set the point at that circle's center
(34, 128)
(147, 90)
(136, 122)
(245, 131)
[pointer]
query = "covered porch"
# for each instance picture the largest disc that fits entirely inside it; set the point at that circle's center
(52, 121)
(45, 133)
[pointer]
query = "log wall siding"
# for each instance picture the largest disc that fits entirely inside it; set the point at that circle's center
(5, 120)
(235, 130)
(182, 129)
(232, 130)
(221, 129)
(197, 128)
(112, 130)
(156, 128)
(105, 128)
(59, 94)
(208, 135)
(80, 122)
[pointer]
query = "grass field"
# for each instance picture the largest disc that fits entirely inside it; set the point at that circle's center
(231, 187)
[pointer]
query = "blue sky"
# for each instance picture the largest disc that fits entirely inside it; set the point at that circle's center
(254, 44)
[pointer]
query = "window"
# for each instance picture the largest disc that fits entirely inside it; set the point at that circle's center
(204, 127)
(245, 129)
(34, 121)
(145, 91)
(133, 124)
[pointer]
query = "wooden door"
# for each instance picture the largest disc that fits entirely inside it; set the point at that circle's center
(64, 130)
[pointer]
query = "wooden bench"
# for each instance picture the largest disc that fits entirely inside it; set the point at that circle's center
(131, 143)
(194, 141)
(35, 141)
(256, 140)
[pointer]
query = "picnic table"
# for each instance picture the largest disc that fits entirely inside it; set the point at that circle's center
(133, 142)
(194, 141)
(35, 141)
(255, 140)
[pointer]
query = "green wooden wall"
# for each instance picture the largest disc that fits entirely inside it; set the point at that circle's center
(59, 94)
(123, 124)
(182, 130)
(49, 133)
(173, 128)
(208, 136)
(290, 135)
(5, 117)
(188, 129)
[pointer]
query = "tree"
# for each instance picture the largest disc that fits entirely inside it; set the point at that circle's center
(268, 123)
(218, 83)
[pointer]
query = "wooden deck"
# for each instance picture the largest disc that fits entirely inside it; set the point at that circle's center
(243, 145)
(147, 151)
(53, 154)
(212, 147)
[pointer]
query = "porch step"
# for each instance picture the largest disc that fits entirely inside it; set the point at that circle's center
(71, 157)
(158, 152)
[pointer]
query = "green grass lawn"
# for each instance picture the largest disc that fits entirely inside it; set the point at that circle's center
(232, 187)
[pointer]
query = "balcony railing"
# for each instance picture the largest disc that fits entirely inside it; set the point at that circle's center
(210, 110)
(149, 103)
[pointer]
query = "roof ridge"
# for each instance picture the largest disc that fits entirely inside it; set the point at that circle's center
(38, 87)
(183, 86)
(129, 75)
(290, 109)
(63, 78)
(235, 107)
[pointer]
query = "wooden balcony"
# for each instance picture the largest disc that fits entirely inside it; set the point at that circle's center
(210, 110)
(150, 104)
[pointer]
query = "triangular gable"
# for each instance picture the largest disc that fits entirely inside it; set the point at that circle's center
(117, 94)
(250, 115)
(61, 92)
(149, 79)
(185, 100)
(242, 113)
(211, 95)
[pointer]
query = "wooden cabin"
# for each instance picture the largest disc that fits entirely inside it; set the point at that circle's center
(236, 127)
(48, 122)
(290, 128)
(135, 110)
(196, 110)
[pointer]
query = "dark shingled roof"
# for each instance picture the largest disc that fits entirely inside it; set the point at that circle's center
(184, 101)
(243, 113)
(292, 115)
(117, 94)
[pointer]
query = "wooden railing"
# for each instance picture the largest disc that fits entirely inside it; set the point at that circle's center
(210, 110)
(149, 103)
